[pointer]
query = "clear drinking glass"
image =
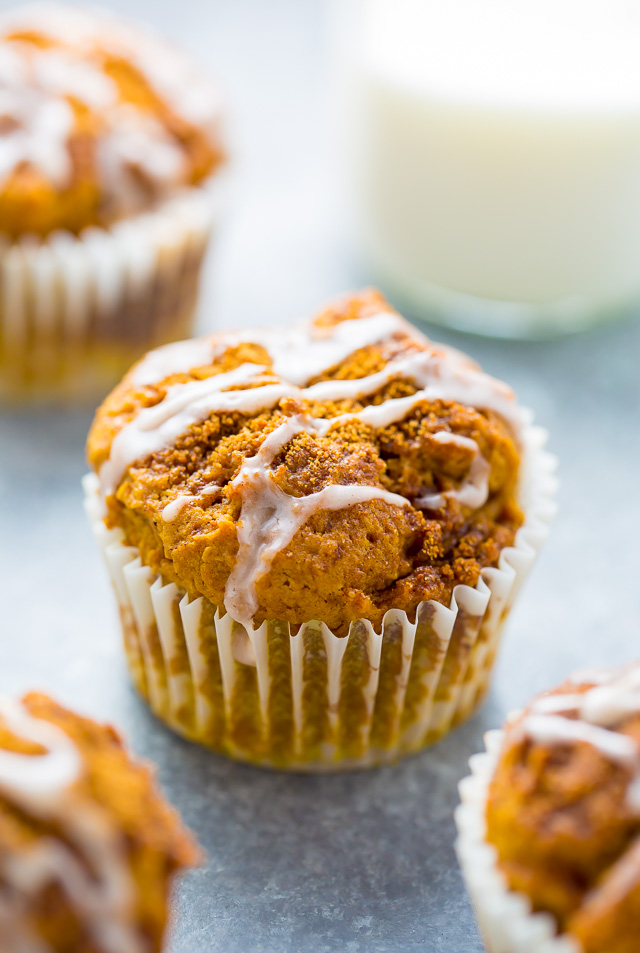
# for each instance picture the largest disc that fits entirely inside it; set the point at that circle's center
(493, 150)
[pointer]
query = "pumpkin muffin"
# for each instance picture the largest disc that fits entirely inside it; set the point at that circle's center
(88, 847)
(559, 802)
(338, 502)
(112, 148)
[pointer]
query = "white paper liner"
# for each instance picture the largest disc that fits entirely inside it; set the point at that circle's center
(411, 682)
(504, 916)
(76, 311)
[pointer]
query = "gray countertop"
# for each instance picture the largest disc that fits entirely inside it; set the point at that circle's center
(360, 863)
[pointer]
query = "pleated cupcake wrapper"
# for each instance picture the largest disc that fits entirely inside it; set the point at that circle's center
(313, 700)
(76, 311)
(505, 917)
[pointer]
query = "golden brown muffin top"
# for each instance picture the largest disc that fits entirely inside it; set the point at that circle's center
(332, 470)
(87, 842)
(99, 120)
(564, 807)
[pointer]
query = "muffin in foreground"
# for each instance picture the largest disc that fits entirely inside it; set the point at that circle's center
(88, 847)
(315, 533)
(550, 821)
(109, 185)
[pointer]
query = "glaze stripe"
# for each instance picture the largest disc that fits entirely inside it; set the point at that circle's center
(90, 862)
(614, 697)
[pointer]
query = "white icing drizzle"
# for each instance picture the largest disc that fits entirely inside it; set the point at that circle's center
(173, 509)
(157, 427)
(553, 704)
(305, 350)
(35, 124)
(441, 374)
(474, 490)
(40, 785)
(441, 378)
(270, 517)
(554, 729)
(137, 142)
(298, 353)
(177, 358)
(40, 778)
(168, 70)
(615, 695)
(154, 428)
(36, 85)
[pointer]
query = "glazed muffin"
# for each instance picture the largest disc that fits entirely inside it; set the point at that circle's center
(109, 182)
(312, 533)
(88, 846)
(550, 823)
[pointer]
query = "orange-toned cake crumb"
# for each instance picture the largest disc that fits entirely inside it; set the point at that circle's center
(563, 810)
(88, 845)
(100, 120)
(402, 455)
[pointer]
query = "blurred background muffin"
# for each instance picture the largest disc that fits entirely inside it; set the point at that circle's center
(88, 846)
(110, 159)
(556, 805)
(325, 527)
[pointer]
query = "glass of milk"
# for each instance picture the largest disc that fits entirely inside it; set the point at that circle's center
(494, 149)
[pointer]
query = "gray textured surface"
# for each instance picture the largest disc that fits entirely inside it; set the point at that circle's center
(361, 863)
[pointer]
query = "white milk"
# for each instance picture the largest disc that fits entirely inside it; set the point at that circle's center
(495, 147)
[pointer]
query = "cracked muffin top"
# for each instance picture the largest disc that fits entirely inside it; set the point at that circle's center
(332, 470)
(564, 807)
(88, 844)
(99, 119)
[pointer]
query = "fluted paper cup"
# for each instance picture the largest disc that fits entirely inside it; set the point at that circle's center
(77, 310)
(506, 920)
(311, 700)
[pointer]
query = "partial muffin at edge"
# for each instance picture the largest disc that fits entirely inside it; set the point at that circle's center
(96, 843)
(563, 808)
(101, 120)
